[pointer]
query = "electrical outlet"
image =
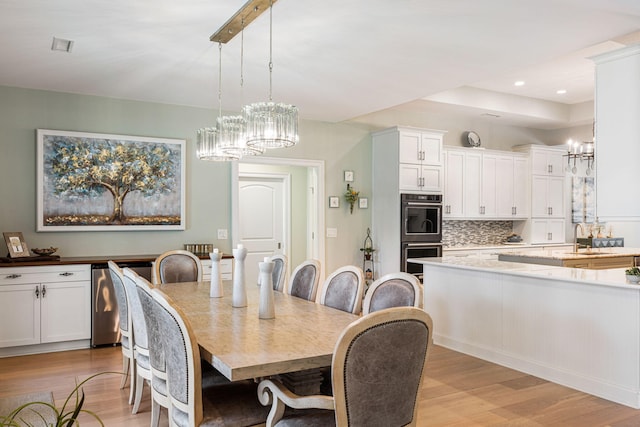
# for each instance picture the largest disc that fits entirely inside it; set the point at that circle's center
(222, 234)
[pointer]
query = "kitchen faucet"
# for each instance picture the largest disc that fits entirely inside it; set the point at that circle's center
(575, 237)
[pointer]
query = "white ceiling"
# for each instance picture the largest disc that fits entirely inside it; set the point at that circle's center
(336, 60)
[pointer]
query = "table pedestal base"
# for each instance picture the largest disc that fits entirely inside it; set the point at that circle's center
(303, 383)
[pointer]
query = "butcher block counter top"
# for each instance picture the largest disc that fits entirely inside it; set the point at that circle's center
(594, 259)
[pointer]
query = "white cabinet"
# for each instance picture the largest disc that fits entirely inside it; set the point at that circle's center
(404, 160)
(418, 153)
(547, 230)
(226, 269)
(548, 210)
(485, 184)
(46, 304)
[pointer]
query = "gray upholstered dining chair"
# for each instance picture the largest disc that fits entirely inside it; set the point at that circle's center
(304, 280)
(139, 338)
(393, 290)
(279, 274)
(233, 404)
(159, 394)
(343, 289)
(177, 266)
(377, 370)
(124, 323)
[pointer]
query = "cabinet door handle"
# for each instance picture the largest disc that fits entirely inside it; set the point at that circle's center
(44, 290)
(549, 236)
(66, 273)
(13, 276)
(550, 168)
(37, 292)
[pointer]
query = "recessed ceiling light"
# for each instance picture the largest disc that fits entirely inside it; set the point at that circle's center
(519, 83)
(62, 45)
(561, 91)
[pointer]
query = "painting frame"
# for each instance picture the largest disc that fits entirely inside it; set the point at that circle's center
(16, 245)
(152, 197)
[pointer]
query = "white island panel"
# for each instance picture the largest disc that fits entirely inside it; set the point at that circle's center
(579, 328)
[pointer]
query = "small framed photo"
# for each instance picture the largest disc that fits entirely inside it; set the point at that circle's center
(334, 202)
(16, 245)
(348, 176)
(364, 203)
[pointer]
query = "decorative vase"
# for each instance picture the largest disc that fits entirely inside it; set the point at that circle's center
(633, 278)
(267, 309)
(239, 298)
(216, 290)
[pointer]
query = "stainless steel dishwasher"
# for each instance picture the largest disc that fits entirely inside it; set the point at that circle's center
(105, 329)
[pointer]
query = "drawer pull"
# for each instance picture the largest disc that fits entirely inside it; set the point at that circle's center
(66, 273)
(13, 276)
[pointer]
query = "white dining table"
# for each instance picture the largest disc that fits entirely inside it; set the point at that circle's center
(240, 345)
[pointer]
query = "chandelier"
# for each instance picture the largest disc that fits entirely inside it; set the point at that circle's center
(262, 125)
(580, 151)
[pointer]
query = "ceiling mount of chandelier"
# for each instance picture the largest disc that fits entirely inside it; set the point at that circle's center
(262, 125)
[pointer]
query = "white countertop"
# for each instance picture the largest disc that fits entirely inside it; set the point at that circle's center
(614, 277)
(564, 254)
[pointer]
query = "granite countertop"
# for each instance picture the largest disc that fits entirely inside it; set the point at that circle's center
(614, 277)
(502, 246)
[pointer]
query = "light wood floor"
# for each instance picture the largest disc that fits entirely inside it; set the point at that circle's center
(459, 391)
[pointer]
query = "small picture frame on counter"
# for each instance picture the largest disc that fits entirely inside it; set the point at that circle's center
(16, 245)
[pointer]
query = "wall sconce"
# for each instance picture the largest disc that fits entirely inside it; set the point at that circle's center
(580, 151)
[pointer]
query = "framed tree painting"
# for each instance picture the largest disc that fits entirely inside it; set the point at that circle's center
(102, 182)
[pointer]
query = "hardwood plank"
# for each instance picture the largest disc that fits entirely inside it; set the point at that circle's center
(458, 390)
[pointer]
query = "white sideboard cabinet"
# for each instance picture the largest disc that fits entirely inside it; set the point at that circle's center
(45, 304)
(226, 269)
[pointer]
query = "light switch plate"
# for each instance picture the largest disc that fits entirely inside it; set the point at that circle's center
(332, 232)
(222, 234)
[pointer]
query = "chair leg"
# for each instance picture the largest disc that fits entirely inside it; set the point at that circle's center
(125, 371)
(133, 373)
(138, 399)
(155, 412)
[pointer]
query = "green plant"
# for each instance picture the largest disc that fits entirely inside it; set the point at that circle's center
(633, 271)
(63, 417)
(351, 196)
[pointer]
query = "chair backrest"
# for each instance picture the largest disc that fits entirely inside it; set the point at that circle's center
(124, 319)
(343, 289)
(279, 275)
(178, 266)
(140, 340)
(304, 280)
(183, 362)
(378, 367)
(155, 331)
(393, 290)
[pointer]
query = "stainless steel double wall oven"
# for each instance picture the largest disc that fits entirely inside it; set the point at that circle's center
(421, 229)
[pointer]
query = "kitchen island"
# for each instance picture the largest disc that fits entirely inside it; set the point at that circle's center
(575, 327)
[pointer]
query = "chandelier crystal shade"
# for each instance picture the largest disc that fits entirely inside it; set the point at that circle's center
(271, 125)
(208, 146)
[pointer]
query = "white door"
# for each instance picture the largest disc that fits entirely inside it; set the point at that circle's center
(262, 207)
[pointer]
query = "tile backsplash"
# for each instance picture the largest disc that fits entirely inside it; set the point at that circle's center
(471, 233)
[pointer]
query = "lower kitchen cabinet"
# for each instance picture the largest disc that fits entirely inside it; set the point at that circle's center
(47, 304)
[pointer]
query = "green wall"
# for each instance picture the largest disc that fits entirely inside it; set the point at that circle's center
(208, 194)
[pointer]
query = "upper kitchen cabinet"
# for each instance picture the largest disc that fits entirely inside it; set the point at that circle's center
(415, 155)
(547, 162)
(485, 184)
(617, 108)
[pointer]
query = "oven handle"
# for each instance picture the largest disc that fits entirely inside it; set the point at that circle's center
(422, 244)
(422, 204)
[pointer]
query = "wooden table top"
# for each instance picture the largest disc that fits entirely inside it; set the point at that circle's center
(241, 346)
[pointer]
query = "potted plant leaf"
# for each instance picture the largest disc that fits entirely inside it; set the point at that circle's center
(46, 414)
